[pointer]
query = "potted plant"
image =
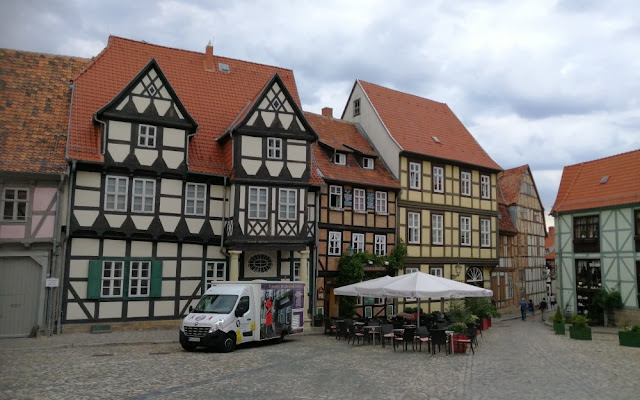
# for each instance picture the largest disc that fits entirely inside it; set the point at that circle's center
(482, 307)
(318, 319)
(579, 329)
(630, 336)
(558, 322)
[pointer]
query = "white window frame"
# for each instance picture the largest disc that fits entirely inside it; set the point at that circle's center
(199, 197)
(465, 231)
(367, 163)
(335, 191)
(485, 232)
(296, 271)
(258, 209)
(415, 175)
(437, 271)
(143, 196)
(465, 183)
(215, 271)
(485, 186)
(334, 243)
(286, 209)
(413, 227)
(112, 282)
(340, 159)
(357, 242)
(438, 179)
(437, 229)
(15, 202)
(410, 270)
(356, 107)
(274, 148)
(380, 245)
(146, 134)
(381, 202)
(359, 200)
(137, 280)
(116, 194)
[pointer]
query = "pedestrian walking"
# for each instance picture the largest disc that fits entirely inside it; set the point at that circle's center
(542, 307)
(532, 308)
(523, 309)
(552, 301)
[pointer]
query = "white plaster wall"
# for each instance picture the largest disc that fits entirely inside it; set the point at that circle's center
(89, 179)
(115, 220)
(168, 288)
(169, 223)
(146, 157)
(85, 217)
(84, 247)
(274, 167)
(141, 222)
(296, 153)
(141, 249)
(111, 309)
(169, 268)
(194, 224)
(118, 151)
(251, 166)
(74, 312)
(192, 250)
(374, 130)
(136, 309)
(167, 250)
(163, 308)
(171, 187)
(170, 205)
(78, 268)
(119, 130)
(86, 198)
(173, 137)
(114, 248)
(251, 146)
(173, 159)
(296, 169)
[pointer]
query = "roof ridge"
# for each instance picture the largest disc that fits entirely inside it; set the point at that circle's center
(193, 52)
(45, 54)
(333, 119)
(603, 158)
(405, 93)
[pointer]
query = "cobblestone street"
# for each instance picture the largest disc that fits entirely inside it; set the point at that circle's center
(515, 360)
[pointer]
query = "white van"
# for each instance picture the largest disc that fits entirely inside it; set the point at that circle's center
(231, 313)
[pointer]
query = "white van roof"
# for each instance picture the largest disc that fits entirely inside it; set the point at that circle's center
(226, 289)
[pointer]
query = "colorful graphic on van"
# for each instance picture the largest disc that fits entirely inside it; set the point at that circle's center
(281, 310)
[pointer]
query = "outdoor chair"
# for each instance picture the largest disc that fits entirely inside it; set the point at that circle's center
(469, 339)
(406, 337)
(439, 338)
(386, 333)
(355, 333)
(472, 332)
(423, 337)
(330, 326)
(342, 331)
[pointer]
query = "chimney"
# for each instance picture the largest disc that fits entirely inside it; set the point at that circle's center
(208, 58)
(552, 231)
(327, 112)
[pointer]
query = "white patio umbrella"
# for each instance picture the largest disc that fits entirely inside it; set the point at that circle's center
(421, 285)
(370, 288)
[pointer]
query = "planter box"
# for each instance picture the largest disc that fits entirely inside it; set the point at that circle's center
(558, 327)
(631, 339)
(580, 332)
(457, 346)
(486, 323)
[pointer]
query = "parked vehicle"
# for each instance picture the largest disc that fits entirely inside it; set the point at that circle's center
(231, 313)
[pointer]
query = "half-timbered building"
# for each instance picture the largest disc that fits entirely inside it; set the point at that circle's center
(357, 204)
(33, 123)
(187, 168)
(447, 210)
(597, 233)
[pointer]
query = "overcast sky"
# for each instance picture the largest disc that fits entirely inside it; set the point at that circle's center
(544, 83)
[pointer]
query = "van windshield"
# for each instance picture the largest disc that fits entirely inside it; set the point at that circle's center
(216, 304)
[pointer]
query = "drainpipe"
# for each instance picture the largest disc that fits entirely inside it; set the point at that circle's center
(55, 270)
(66, 243)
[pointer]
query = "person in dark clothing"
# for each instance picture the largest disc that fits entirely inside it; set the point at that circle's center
(532, 308)
(523, 309)
(542, 307)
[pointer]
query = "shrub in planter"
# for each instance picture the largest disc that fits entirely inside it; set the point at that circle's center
(630, 336)
(558, 322)
(482, 307)
(579, 329)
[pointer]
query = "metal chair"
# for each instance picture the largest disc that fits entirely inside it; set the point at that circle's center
(423, 337)
(407, 336)
(386, 332)
(439, 338)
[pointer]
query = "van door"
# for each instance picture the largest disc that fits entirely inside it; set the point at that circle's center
(245, 314)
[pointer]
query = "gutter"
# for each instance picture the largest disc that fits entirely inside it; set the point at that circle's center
(66, 243)
(53, 271)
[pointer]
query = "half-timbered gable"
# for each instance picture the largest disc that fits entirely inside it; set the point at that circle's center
(33, 123)
(152, 188)
(447, 209)
(357, 204)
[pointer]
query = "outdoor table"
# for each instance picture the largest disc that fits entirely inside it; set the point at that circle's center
(375, 329)
(450, 335)
(358, 323)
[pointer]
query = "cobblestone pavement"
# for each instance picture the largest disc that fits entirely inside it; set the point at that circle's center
(515, 360)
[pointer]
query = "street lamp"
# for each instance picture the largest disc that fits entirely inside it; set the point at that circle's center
(458, 270)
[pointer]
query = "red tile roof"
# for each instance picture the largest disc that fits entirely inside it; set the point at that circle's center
(581, 187)
(549, 243)
(344, 136)
(505, 223)
(510, 181)
(213, 98)
(412, 121)
(34, 110)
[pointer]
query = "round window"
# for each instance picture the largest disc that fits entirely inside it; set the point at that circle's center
(474, 277)
(260, 263)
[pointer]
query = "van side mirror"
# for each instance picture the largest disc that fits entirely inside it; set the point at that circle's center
(240, 312)
(190, 308)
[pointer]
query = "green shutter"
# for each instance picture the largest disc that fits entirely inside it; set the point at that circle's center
(94, 279)
(156, 278)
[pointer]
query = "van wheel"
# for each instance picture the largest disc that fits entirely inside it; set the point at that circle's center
(229, 343)
(281, 338)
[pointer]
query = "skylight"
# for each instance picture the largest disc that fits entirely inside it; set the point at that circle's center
(435, 139)
(604, 179)
(224, 67)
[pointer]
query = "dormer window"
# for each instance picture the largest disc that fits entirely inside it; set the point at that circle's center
(274, 148)
(147, 136)
(367, 163)
(356, 107)
(340, 159)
